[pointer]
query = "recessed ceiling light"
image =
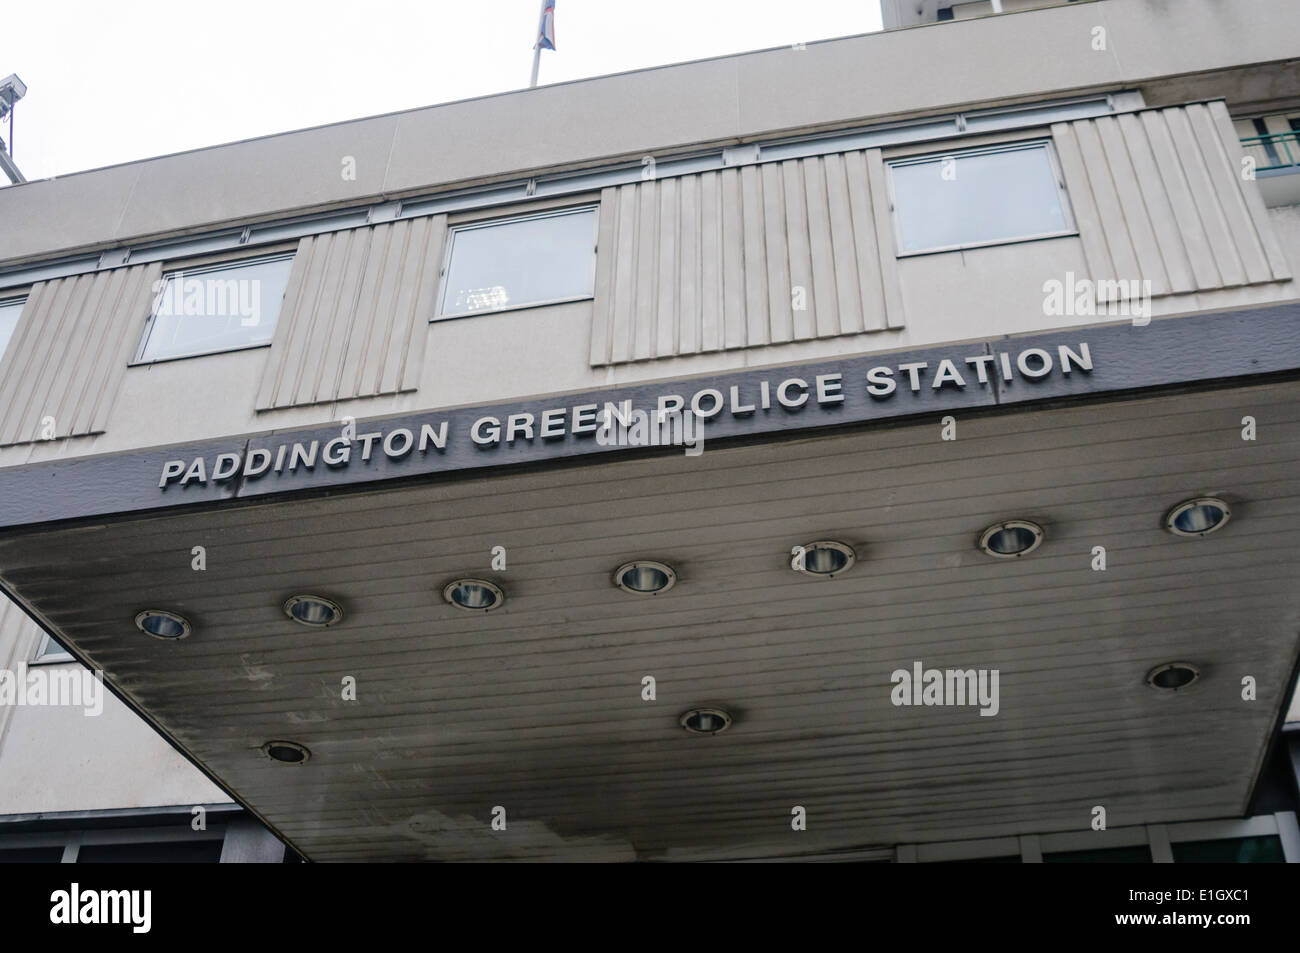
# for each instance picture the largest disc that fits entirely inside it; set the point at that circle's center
(286, 752)
(316, 611)
(705, 721)
(1199, 517)
(1172, 676)
(825, 559)
(645, 577)
(162, 624)
(1011, 539)
(473, 595)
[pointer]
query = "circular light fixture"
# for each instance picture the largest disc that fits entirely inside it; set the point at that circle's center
(286, 752)
(1011, 539)
(825, 559)
(705, 721)
(1172, 676)
(316, 611)
(162, 624)
(645, 577)
(1199, 517)
(473, 595)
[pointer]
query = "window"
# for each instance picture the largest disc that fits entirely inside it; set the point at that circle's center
(1234, 850)
(978, 197)
(174, 852)
(218, 308)
(516, 262)
(9, 313)
(1140, 854)
(51, 651)
(31, 855)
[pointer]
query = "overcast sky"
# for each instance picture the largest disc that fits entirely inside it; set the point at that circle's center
(110, 82)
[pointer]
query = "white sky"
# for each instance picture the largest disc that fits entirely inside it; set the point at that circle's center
(110, 82)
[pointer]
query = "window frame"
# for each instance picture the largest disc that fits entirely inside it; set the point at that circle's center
(50, 652)
(454, 229)
(1044, 143)
(1158, 838)
(139, 360)
(20, 300)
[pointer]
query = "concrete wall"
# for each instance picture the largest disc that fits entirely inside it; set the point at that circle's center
(1155, 195)
(57, 758)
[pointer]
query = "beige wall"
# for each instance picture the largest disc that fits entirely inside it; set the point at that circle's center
(60, 759)
(1155, 194)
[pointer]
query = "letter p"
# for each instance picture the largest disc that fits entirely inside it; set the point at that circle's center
(171, 470)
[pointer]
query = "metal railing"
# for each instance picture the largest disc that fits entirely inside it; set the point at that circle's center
(1278, 151)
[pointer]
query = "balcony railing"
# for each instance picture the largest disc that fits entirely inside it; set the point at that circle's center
(1279, 151)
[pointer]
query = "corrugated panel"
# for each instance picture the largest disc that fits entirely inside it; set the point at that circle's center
(355, 314)
(745, 257)
(1159, 195)
(19, 637)
(69, 352)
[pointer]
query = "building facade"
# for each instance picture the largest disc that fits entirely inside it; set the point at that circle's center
(876, 449)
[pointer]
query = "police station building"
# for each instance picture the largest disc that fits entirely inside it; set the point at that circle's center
(885, 448)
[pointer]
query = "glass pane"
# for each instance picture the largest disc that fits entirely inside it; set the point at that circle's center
(51, 649)
(1140, 854)
(986, 197)
(167, 852)
(523, 262)
(217, 309)
(987, 860)
(1234, 850)
(9, 312)
(31, 855)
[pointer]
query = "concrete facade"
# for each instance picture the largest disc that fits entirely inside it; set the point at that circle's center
(1165, 87)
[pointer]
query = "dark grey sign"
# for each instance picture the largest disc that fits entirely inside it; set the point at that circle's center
(857, 390)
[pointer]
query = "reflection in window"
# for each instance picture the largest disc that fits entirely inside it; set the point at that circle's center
(166, 852)
(220, 308)
(9, 313)
(1107, 855)
(509, 263)
(1232, 850)
(978, 197)
(51, 651)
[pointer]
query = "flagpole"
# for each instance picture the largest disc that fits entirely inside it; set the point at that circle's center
(537, 47)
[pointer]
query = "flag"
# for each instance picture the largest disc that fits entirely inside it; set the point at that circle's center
(546, 27)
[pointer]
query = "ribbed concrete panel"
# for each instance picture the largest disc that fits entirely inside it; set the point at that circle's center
(19, 637)
(745, 257)
(63, 368)
(537, 706)
(1159, 195)
(355, 314)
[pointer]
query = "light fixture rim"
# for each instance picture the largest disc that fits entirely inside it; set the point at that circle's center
(663, 567)
(311, 597)
(1178, 509)
(492, 587)
(1039, 534)
(1167, 666)
(842, 548)
(186, 627)
(306, 752)
(727, 719)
